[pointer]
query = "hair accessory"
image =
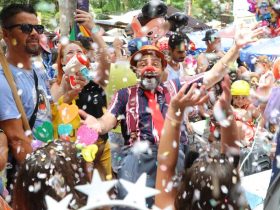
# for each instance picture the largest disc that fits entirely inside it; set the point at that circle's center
(68, 112)
(97, 192)
(61, 205)
(44, 132)
(86, 135)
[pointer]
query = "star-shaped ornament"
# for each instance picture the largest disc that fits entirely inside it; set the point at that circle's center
(97, 190)
(138, 192)
(52, 204)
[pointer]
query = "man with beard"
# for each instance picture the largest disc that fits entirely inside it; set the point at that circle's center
(141, 108)
(21, 33)
(213, 53)
(177, 44)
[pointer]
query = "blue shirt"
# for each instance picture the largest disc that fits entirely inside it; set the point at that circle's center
(25, 84)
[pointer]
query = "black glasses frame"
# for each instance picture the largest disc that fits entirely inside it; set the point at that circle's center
(28, 28)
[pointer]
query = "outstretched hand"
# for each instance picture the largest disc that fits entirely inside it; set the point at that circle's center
(225, 98)
(222, 108)
(193, 97)
(90, 121)
(245, 35)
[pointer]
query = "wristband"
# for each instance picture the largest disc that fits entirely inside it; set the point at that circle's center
(1, 131)
(173, 121)
(95, 29)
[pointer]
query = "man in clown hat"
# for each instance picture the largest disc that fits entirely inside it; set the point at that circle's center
(141, 108)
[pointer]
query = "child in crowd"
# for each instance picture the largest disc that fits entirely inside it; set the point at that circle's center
(263, 68)
(244, 111)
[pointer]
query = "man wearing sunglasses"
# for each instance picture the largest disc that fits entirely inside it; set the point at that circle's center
(21, 33)
(19, 24)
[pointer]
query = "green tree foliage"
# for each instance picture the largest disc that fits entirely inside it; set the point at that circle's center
(208, 10)
(117, 6)
(179, 4)
(4, 3)
(47, 10)
(205, 10)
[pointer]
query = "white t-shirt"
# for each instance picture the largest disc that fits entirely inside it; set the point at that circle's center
(174, 74)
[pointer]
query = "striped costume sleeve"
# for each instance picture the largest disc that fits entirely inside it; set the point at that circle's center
(118, 103)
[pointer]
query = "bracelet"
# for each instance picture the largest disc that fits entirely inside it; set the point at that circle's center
(173, 121)
(95, 29)
(1, 131)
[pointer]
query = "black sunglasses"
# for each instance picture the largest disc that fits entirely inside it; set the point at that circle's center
(28, 28)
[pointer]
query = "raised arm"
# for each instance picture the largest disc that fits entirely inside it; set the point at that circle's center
(229, 130)
(243, 37)
(168, 153)
(103, 58)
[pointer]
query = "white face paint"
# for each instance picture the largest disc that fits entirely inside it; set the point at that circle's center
(149, 83)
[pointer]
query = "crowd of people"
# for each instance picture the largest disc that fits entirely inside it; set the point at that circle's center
(129, 108)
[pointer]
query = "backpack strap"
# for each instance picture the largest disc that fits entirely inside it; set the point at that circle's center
(132, 115)
(34, 114)
(10, 79)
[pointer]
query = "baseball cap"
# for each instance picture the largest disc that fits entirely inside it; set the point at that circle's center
(146, 50)
(210, 35)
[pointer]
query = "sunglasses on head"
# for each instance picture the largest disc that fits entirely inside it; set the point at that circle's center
(28, 28)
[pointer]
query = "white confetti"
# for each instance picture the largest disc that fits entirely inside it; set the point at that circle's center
(174, 144)
(196, 195)
(41, 175)
(64, 40)
(20, 65)
(224, 189)
(140, 147)
(278, 161)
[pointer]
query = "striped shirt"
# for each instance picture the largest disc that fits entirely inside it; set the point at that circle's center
(119, 108)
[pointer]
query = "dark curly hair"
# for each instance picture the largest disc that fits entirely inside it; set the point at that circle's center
(211, 183)
(52, 170)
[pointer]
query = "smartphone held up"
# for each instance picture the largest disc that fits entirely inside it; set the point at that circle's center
(83, 5)
(197, 80)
